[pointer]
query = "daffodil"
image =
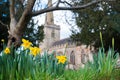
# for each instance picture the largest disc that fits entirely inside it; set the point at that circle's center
(7, 50)
(35, 50)
(61, 59)
(2, 40)
(26, 43)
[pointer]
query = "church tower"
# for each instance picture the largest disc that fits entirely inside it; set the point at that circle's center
(51, 30)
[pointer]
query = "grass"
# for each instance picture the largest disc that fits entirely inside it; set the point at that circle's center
(102, 68)
(25, 66)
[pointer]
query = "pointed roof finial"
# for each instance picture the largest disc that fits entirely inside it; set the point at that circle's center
(49, 16)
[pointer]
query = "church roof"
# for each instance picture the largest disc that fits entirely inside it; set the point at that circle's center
(63, 41)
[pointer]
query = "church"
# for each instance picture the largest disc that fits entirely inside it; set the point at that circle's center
(77, 56)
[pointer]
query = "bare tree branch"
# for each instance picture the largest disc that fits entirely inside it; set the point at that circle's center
(67, 8)
(58, 3)
(25, 16)
(3, 24)
(12, 16)
(12, 9)
(67, 3)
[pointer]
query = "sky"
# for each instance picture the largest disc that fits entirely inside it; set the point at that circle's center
(60, 19)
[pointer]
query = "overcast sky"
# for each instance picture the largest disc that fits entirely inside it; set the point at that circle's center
(60, 19)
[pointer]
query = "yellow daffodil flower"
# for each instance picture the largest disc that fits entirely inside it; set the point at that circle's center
(7, 50)
(34, 50)
(2, 40)
(61, 59)
(26, 43)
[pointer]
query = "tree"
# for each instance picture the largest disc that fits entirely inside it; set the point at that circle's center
(31, 8)
(102, 17)
(33, 32)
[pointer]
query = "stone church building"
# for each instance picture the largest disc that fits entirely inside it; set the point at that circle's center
(77, 56)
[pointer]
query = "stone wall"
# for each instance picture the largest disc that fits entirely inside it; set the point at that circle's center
(77, 56)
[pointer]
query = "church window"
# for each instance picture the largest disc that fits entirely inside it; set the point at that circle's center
(83, 58)
(72, 58)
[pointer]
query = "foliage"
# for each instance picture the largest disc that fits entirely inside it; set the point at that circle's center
(22, 64)
(102, 17)
(4, 18)
(34, 33)
(49, 64)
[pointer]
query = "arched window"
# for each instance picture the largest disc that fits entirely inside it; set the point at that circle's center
(83, 58)
(72, 58)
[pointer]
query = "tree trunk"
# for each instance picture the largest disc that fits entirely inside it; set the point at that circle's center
(17, 27)
(14, 38)
(16, 31)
